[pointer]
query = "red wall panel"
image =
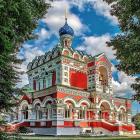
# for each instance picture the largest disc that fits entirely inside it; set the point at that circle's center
(78, 79)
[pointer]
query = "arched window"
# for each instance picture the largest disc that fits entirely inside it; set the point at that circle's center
(65, 43)
(85, 58)
(76, 56)
(58, 53)
(66, 52)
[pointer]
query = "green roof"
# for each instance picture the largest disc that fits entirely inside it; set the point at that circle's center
(98, 54)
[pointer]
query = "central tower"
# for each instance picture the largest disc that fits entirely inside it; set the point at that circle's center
(66, 33)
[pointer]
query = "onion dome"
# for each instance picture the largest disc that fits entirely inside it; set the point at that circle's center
(66, 29)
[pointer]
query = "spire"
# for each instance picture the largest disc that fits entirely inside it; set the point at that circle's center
(66, 14)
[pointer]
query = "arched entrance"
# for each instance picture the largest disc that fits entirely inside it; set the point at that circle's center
(103, 77)
(105, 109)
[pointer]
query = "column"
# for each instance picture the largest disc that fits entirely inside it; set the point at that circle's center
(117, 116)
(110, 116)
(76, 114)
(79, 114)
(19, 115)
(56, 81)
(96, 115)
(37, 85)
(47, 85)
(41, 84)
(15, 117)
(44, 114)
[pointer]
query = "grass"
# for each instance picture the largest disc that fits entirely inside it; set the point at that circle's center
(73, 136)
(90, 139)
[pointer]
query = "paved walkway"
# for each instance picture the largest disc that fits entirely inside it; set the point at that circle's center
(45, 138)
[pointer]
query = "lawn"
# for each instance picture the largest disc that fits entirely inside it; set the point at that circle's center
(90, 139)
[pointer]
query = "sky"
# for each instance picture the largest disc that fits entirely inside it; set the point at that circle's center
(93, 26)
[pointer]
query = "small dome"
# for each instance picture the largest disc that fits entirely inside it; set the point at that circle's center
(66, 29)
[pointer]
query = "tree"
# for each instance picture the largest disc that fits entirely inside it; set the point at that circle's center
(18, 19)
(137, 121)
(127, 45)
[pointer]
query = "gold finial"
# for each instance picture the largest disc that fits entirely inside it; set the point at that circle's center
(66, 14)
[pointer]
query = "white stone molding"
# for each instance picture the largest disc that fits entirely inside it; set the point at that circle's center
(103, 55)
(24, 102)
(69, 52)
(72, 99)
(107, 101)
(46, 99)
(41, 59)
(121, 106)
(36, 101)
(84, 100)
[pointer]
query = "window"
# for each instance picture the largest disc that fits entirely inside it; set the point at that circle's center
(66, 80)
(66, 53)
(58, 53)
(65, 74)
(65, 68)
(65, 43)
(76, 56)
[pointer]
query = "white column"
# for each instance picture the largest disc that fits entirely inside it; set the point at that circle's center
(117, 116)
(76, 114)
(64, 113)
(44, 114)
(41, 83)
(37, 85)
(79, 114)
(47, 85)
(89, 115)
(96, 115)
(56, 80)
(110, 116)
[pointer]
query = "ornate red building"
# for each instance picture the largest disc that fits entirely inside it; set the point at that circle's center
(73, 93)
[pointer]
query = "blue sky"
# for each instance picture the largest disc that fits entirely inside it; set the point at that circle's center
(93, 26)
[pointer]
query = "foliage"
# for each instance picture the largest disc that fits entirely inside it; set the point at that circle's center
(18, 19)
(137, 121)
(22, 129)
(127, 44)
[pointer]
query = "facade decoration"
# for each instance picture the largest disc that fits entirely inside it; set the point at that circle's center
(72, 93)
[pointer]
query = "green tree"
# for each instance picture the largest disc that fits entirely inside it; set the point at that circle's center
(127, 45)
(18, 19)
(137, 121)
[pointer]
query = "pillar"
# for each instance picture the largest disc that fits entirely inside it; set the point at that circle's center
(96, 115)
(41, 84)
(37, 85)
(110, 116)
(76, 114)
(117, 116)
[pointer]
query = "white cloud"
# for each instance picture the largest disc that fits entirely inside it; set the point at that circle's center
(27, 46)
(124, 87)
(29, 55)
(96, 44)
(100, 7)
(55, 19)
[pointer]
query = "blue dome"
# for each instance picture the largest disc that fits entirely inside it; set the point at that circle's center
(66, 29)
